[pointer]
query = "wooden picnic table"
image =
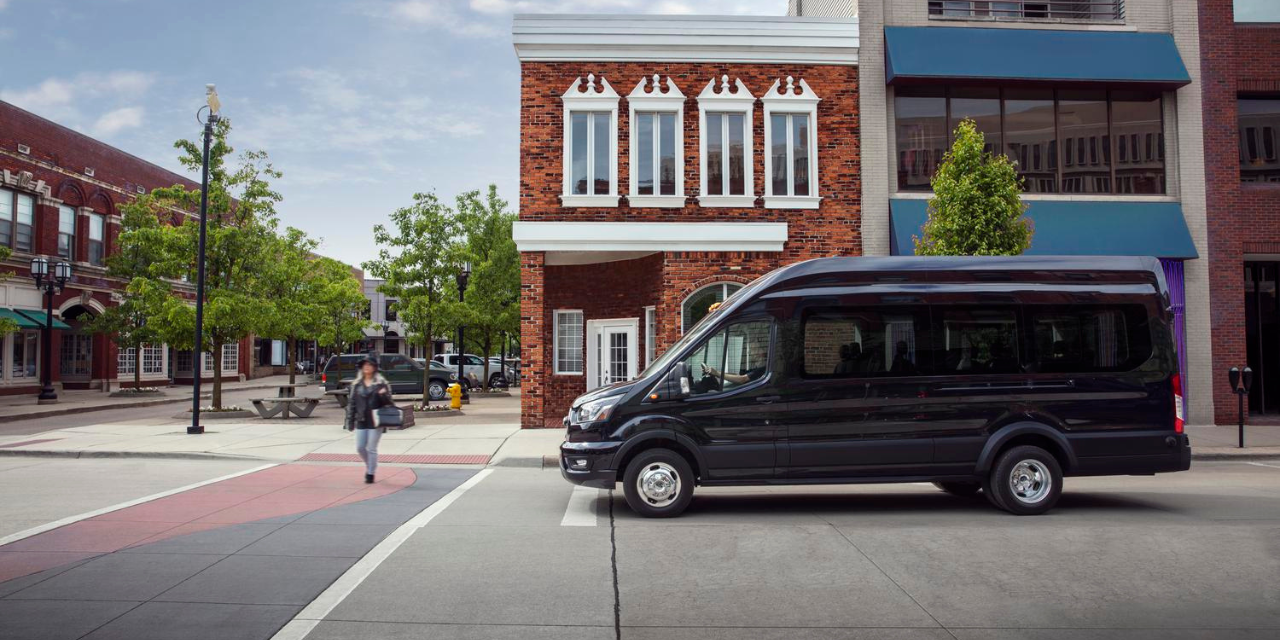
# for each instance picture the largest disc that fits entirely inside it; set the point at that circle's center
(271, 407)
(341, 396)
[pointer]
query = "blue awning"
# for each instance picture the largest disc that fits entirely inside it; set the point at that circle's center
(1074, 228)
(923, 54)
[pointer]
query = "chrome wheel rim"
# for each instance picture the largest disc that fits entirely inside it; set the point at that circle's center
(659, 484)
(1030, 481)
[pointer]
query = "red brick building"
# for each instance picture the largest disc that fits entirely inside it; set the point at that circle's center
(1241, 69)
(59, 198)
(663, 167)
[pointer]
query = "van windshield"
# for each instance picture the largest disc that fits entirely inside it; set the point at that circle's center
(698, 331)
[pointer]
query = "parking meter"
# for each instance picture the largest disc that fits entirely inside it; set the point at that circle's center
(1241, 381)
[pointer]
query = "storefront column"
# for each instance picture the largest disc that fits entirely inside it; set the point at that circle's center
(535, 340)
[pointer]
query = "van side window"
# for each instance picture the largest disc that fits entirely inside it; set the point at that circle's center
(1089, 338)
(731, 358)
(855, 344)
(978, 340)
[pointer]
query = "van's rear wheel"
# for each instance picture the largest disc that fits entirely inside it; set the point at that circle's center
(658, 483)
(962, 489)
(1025, 481)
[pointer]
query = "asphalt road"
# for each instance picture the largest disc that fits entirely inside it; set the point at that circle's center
(1191, 555)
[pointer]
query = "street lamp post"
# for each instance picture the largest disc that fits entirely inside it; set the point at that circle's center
(464, 274)
(211, 100)
(50, 284)
(386, 326)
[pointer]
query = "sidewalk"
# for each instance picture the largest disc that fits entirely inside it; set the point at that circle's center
(1219, 442)
(24, 407)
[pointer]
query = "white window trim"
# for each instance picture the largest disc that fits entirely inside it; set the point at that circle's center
(650, 334)
(788, 100)
(555, 343)
(654, 101)
(725, 101)
(602, 98)
(6, 359)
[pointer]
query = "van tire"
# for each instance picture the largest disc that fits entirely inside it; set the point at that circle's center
(962, 489)
(1037, 475)
(664, 471)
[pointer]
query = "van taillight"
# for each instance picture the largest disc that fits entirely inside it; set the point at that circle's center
(324, 377)
(1178, 421)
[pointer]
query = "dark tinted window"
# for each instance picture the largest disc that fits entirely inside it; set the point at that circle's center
(848, 343)
(1087, 338)
(1138, 116)
(983, 107)
(978, 340)
(920, 115)
(1259, 122)
(1082, 115)
(730, 358)
(1028, 121)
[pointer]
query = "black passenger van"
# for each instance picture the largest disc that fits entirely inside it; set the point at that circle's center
(1000, 375)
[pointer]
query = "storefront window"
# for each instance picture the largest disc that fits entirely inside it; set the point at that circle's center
(1259, 124)
(1028, 126)
(1137, 116)
(983, 107)
(1082, 118)
(921, 118)
(1257, 11)
(25, 355)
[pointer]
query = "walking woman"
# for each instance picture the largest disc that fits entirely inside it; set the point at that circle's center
(369, 392)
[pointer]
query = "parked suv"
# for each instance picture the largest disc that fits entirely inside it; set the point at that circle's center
(402, 372)
(993, 375)
(473, 366)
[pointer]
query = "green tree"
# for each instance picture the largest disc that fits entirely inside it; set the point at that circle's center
(976, 209)
(7, 326)
(418, 257)
(240, 235)
(492, 306)
(143, 261)
(340, 298)
(288, 286)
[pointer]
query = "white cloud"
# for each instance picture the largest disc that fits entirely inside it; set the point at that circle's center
(329, 88)
(51, 95)
(707, 7)
(117, 120)
(432, 14)
(4, 4)
(126, 82)
(5, 34)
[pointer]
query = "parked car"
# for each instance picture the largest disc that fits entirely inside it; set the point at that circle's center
(473, 368)
(992, 375)
(403, 372)
(513, 369)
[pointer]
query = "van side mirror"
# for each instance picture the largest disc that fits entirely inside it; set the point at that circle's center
(675, 386)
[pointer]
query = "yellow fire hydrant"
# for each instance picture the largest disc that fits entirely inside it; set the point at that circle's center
(455, 396)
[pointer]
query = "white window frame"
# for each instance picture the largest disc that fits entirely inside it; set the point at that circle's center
(650, 334)
(788, 101)
(100, 222)
(555, 343)
(726, 102)
(232, 352)
(66, 213)
(653, 101)
(34, 357)
(598, 99)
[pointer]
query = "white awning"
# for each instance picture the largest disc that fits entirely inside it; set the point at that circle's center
(623, 240)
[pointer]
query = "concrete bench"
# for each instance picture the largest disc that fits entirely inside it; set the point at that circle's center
(271, 407)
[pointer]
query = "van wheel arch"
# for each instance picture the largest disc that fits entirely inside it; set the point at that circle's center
(1026, 433)
(658, 440)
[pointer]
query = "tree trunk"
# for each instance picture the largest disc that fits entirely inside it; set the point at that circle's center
(291, 345)
(426, 373)
(338, 368)
(137, 367)
(488, 346)
(216, 401)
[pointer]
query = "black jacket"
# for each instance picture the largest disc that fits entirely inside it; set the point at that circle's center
(364, 400)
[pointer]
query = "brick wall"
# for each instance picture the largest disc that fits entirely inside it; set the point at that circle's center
(622, 289)
(1236, 58)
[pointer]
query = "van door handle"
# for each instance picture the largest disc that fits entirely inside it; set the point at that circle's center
(768, 399)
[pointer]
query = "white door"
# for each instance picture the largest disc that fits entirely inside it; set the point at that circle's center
(611, 351)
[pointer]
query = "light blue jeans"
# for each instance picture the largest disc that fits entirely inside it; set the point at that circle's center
(367, 447)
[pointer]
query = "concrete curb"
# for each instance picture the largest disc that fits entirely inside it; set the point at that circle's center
(121, 405)
(1243, 455)
(156, 455)
(545, 462)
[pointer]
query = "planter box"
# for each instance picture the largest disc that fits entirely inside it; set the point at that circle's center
(419, 414)
(219, 415)
(137, 394)
(492, 394)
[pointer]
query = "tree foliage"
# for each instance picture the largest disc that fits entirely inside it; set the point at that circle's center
(288, 287)
(492, 305)
(7, 326)
(417, 259)
(340, 298)
(977, 208)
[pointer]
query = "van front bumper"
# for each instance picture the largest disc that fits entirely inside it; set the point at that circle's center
(589, 464)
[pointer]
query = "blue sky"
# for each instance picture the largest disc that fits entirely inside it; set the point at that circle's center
(360, 103)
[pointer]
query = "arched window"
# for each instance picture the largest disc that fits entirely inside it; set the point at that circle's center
(697, 305)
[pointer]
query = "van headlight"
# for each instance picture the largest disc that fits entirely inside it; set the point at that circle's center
(595, 411)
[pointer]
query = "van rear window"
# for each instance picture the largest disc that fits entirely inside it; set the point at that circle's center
(1089, 338)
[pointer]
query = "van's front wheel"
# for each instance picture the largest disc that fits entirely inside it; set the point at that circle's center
(1025, 481)
(658, 483)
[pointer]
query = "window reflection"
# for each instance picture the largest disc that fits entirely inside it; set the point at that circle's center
(1137, 116)
(1259, 123)
(1028, 125)
(1082, 116)
(920, 115)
